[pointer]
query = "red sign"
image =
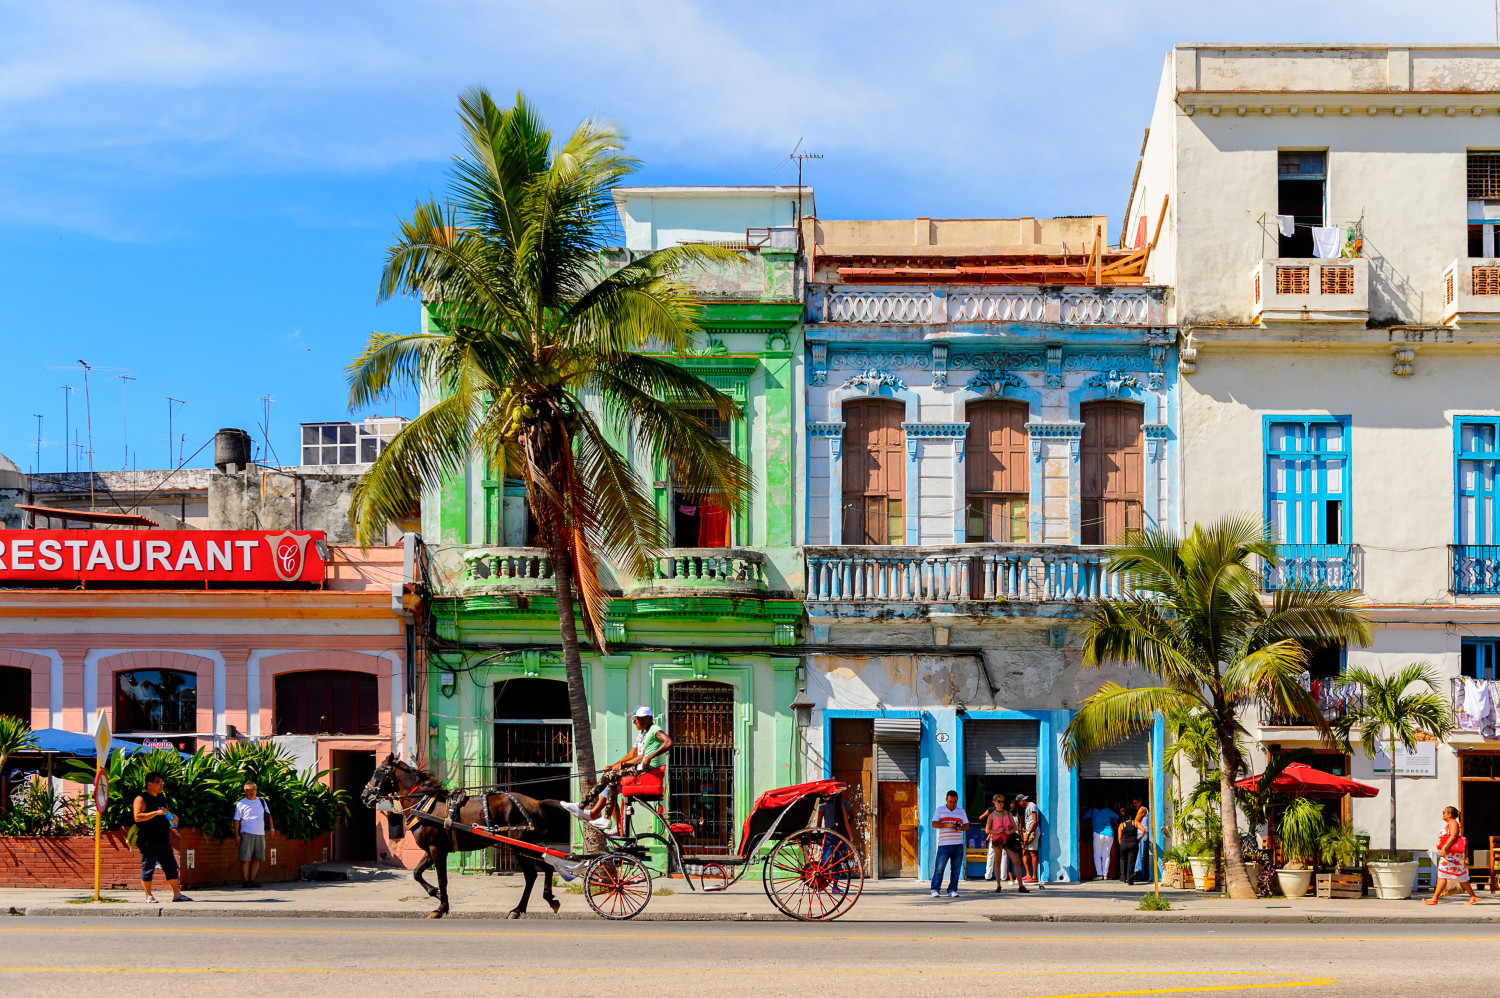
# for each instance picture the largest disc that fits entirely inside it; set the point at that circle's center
(169, 556)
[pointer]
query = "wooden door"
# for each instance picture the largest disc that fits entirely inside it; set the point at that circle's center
(852, 751)
(996, 466)
(874, 472)
(898, 829)
(1112, 471)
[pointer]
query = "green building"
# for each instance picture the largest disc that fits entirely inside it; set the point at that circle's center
(708, 642)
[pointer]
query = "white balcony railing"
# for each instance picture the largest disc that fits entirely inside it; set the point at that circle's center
(1471, 291)
(1333, 290)
(960, 574)
(918, 306)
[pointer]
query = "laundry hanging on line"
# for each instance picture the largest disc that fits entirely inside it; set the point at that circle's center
(1286, 225)
(1328, 241)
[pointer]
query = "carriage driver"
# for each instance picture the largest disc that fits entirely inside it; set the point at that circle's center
(643, 779)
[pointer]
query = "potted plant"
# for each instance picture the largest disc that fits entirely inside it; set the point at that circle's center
(1394, 874)
(1300, 828)
(1201, 860)
(1341, 845)
(1175, 868)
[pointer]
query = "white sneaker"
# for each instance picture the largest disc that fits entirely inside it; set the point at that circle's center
(934, 893)
(602, 823)
(953, 894)
(574, 810)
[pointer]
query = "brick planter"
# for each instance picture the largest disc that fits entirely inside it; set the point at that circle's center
(67, 861)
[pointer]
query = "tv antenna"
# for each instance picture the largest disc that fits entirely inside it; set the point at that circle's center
(125, 418)
(802, 157)
(169, 401)
(88, 414)
(38, 469)
(265, 429)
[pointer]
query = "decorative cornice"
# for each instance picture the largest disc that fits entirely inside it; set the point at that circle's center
(872, 380)
(831, 428)
(996, 360)
(936, 429)
(894, 358)
(992, 383)
(1037, 432)
(1112, 383)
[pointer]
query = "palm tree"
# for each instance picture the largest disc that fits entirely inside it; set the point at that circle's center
(15, 736)
(527, 330)
(1196, 620)
(1390, 713)
(1192, 740)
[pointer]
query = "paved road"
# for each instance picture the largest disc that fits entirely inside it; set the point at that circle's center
(312, 958)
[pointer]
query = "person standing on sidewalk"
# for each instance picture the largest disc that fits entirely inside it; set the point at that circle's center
(153, 836)
(1453, 867)
(950, 821)
(1103, 821)
(1130, 835)
(1031, 840)
(252, 823)
(1143, 865)
(999, 825)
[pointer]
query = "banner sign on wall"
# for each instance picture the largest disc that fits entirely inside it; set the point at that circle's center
(1421, 762)
(171, 557)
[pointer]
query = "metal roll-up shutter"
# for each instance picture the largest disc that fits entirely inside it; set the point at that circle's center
(1000, 748)
(1124, 760)
(896, 761)
(898, 729)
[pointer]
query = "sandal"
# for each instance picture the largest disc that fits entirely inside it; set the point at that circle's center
(151, 899)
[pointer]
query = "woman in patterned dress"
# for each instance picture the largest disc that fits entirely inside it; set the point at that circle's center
(1452, 866)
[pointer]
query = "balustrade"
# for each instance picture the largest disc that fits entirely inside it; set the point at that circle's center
(508, 566)
(1330, 566)
(960, 574)
(1079, 306)
(1475, 569)
(709, 569)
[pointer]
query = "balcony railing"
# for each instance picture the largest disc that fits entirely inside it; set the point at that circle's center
(711, 569)
(1463, 720)
(1332, 703)
(1475, 569)
(1471, 291)
(1333, 290)
(1332, 566)
(525, 568)
(960, 574)
(1070, 306)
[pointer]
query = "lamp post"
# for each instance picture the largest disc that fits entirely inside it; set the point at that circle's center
(802, 708)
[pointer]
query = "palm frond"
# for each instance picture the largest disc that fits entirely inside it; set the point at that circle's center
(1114, 713)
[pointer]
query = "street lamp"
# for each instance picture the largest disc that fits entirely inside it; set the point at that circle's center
(802, 708)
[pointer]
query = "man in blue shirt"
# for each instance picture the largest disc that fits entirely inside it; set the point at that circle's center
(1103, 821)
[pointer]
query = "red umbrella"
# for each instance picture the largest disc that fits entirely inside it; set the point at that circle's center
(1299, 779)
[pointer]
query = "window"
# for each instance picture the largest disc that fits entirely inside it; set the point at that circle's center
(1484, 204)
(374, 434)
(701, 778)
(1478, 658)
(700, 521)
(1477, 457)
(15, 693)
(1325, 661)
(1301, 191)
(1307, 480)
(1112, 464)
(346, 443)
(874, 472)
(327, 702)
(997, 463)
(156, 700)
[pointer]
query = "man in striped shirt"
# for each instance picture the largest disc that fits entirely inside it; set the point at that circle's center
(950, 821)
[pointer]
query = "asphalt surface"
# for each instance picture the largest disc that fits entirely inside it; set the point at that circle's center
(311, 958)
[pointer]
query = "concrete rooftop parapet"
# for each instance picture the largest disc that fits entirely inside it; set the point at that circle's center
(1203, 69)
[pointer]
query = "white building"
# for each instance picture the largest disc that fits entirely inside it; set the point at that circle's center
(1330, 216)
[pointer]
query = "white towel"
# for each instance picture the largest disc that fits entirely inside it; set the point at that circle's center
(1285, 225)
(1328, 241)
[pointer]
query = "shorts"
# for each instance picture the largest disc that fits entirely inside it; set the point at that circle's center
(252, 847)
(154, 854)
(647, 784)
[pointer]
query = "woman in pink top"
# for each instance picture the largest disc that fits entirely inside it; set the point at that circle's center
(999, 825)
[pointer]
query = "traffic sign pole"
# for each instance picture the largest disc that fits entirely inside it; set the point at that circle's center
(101, 786)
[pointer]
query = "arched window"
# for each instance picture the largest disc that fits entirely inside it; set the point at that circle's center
(156, 700)
(327, 702)
(1112, 466)
(15, 692)
(996, 464)
(874, 472)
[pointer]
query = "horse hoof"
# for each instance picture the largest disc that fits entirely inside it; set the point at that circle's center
(554, 903)
(436, 914)
(514, 914)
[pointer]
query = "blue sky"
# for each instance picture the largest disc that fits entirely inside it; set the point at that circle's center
(197, 195)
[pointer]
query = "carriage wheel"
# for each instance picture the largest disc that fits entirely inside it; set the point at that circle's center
(617, 886)
(814, 874)
(714, 878)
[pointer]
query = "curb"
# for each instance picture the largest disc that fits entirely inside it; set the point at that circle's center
(164, 911)
(1205, 918)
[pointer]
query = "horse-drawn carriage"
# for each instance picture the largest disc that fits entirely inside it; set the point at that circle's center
(797, 836)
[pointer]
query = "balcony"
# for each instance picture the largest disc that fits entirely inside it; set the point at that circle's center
(1332, 704)
(675, 571)
(969, 573)
(1463, 720)
(1082, 306)
(518, 570)
(1471, 291)
(1298, 290)
(1474, 569)
(1330, 566)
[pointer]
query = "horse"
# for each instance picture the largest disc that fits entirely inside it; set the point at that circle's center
(522, 818)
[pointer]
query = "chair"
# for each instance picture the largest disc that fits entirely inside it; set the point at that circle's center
(1424, 870)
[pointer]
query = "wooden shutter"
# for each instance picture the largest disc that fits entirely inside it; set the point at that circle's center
(1000, 748)
(874, 471)
(1124, 760)
(995, 453)
(1113, 470)
(327, 702)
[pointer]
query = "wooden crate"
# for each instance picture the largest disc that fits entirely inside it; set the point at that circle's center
(1340, 885)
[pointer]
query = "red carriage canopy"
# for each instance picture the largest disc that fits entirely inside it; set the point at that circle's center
(1299, 779)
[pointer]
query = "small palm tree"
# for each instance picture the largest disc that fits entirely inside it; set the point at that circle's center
(536, 350)
(15, 736)
(1391, 711)
(1196, 620)
(1191, 740)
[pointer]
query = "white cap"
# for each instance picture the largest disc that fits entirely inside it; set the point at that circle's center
(643, 711)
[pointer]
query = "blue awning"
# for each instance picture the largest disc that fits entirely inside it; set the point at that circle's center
(61, 742)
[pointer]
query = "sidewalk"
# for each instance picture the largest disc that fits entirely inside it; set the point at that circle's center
(377, 892)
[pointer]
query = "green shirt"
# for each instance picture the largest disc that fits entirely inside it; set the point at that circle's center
(649, 741)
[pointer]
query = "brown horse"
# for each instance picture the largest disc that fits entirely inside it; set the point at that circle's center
(519, 817)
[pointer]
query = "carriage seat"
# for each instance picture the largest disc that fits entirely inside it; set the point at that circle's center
(681, 828)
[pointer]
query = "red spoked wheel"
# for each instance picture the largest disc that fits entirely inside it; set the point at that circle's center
(617, 886)
(714, 878)
(814, 874)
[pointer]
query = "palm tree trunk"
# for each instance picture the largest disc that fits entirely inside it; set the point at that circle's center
(1393, 798)
(1238, 882)
(578, 701)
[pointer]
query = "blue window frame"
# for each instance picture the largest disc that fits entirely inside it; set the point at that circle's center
(1307, 479)
(1476, 457)
(1478, 658)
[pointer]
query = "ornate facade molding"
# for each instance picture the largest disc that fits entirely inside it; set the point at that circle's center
(939, 365)
(957, 432)
(872, 380)
(1054, 366)
(992, 383)
(1112, 383)
(996, 361)
(1038, 432)
(817, 366)
(893, 358)
(1157, 435)
(833, 432)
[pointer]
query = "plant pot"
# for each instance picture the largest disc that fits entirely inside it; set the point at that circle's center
(1203, 870)
(1394, 881)
(1252, 870)
(1171, 874)
(1294, 883)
